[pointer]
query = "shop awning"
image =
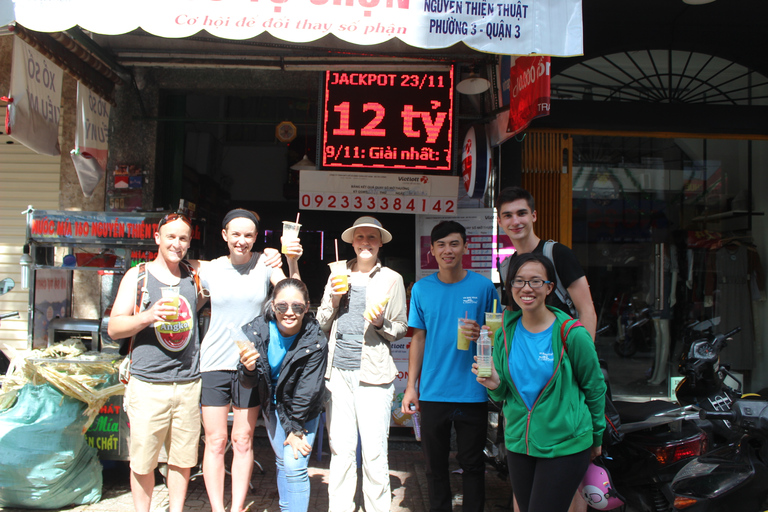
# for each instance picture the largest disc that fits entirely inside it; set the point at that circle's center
(547, 27)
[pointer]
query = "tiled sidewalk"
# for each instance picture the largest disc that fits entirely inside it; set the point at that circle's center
(407, 478)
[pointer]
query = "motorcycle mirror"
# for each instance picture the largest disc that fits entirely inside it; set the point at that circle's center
(6, 285)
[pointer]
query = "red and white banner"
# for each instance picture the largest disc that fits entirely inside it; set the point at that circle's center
(91, 139)
(34, 100)
(529, 91)
(546, 27)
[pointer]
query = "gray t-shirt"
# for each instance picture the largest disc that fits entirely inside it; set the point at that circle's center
(350, 321)
(238, 293)
(169, 351)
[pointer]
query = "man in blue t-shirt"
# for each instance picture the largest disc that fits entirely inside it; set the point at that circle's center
(441, 384)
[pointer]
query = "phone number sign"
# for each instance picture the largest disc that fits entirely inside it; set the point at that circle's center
(386, 193)
(388, 120)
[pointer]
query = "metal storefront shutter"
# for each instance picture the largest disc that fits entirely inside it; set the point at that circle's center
(25, 178)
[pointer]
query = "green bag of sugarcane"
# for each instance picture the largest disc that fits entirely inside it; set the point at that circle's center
(45, 461)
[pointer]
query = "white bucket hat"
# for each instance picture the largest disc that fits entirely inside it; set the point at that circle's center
(363, 222)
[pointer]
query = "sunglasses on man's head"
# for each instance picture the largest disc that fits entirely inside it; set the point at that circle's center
(298, 308)
(172, 217)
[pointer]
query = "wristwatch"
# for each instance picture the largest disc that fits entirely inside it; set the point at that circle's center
(298, 433)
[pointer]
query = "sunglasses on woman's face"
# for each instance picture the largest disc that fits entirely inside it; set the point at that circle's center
(298, 308)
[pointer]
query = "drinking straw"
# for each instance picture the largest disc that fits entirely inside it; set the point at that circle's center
(494, 306)
(297, 217)
(336, 245)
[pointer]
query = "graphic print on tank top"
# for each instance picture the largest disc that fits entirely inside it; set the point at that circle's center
(174, 335)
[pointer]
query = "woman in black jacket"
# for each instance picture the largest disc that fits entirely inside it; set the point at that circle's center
(287, 363)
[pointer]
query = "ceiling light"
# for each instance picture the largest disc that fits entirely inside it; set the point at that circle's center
(697, 2)
(305, 164)
(474, 84)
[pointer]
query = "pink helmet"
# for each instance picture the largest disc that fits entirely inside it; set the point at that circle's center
(597, 490)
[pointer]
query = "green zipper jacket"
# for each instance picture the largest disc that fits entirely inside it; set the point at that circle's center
(568, 415)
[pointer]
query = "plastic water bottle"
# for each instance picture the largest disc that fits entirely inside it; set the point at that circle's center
(416, 424)
(484, 354)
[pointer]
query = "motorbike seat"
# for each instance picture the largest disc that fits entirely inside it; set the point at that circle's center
(631, 412)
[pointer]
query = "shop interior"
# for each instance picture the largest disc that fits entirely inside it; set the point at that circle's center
(666, 231)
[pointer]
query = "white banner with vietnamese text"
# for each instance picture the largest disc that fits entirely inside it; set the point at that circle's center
(545, 27)
(34, 100)
(91, 139)
(371, 192)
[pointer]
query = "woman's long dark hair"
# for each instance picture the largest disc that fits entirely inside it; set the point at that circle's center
(521, 260)
(267, 311)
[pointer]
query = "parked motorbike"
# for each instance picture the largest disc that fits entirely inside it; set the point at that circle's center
(704, 384)
(654, 449)
(659, 439)
(636, 332)
(733, 477)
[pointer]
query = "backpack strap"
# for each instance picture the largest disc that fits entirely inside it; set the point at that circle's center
(142, 296)
(564, 333)
(192, 272)
(502, 266)
(142, 293)
(560, 290)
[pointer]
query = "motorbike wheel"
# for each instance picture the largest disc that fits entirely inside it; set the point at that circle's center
(626, 347)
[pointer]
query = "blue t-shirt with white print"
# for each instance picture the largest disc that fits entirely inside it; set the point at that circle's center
(446, 372)
(531, 361)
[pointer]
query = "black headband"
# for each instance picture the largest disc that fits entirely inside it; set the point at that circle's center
(237, 213)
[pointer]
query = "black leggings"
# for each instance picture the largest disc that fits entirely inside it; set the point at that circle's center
(546, 485)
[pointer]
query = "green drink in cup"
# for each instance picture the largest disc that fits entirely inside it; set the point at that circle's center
(493, 322)
(462, 342)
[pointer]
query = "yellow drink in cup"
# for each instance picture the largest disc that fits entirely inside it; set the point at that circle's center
(493, 321)
(171, 294)
(244, 346)
(339, 270)
(290, 233)
(238, 337)
(370, 312)
(462, 342)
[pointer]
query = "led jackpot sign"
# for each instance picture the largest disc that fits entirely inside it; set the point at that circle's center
(392, 120)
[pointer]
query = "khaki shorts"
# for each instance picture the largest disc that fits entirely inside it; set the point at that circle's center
(163, 414)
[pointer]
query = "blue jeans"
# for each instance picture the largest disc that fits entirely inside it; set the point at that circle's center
(292, 476)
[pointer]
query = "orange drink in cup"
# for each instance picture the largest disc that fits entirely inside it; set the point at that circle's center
(339, 270)
(240, 340)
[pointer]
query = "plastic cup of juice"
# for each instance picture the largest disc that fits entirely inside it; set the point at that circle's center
(171, 293)
(243, 345)
(493, 321)
(370, 312)
(339, 268)
(290, 233)
(462, 342)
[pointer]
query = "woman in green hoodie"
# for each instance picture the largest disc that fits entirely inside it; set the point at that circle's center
(547, 374)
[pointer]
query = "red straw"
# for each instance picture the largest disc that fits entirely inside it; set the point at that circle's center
(336, 244)
(297, 217)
